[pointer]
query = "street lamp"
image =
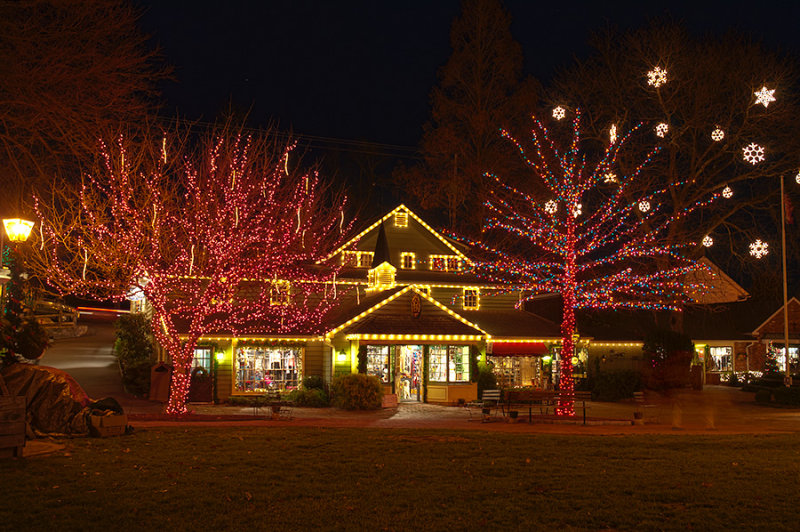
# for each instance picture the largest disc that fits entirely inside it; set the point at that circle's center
(18, 229)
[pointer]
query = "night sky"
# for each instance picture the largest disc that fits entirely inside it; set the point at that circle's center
(363, 70)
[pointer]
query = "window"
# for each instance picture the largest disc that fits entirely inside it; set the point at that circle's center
(262, 368)
(471, 298)
(357, 259)
(280, 293)
(401, 219)
(378, 362)
(445, 263)
(424, 289)
(721, 358)
(202, 358)
(448, 363)
(408, 260)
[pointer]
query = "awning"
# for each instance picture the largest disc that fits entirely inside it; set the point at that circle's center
(518, 349)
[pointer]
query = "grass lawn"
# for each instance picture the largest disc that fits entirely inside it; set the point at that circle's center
(305, 478)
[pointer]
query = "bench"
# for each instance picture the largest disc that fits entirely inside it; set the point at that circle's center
(281, 409)
(490, 399)
(516, 399)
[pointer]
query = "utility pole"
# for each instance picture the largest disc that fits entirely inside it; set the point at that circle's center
(787, 380)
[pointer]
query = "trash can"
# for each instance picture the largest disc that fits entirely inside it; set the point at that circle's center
(160, 375)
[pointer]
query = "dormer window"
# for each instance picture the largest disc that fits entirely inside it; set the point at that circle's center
(408, 260)
(401, 219)
(471, 297)
(280, 293)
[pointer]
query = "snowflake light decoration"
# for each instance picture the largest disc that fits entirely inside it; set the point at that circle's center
(727, 192)
(644, 205)
(759, 249)
(753, 153)
(797, 178)
(551, 207)
(708, 241)
(764, 96)
(576, 210)
(661, 129)
(717, 135)
(559, 113)
(611, 177)
(612, 133)
(657, 77)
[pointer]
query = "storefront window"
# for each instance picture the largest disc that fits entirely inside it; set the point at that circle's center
(721, 358)
(458, 363)
(378, 362)
(202, 358)
(519, 371)
(261, 368)
(437, 360)
(448, 363)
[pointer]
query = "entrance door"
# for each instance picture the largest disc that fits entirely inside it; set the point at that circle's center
(408, 374)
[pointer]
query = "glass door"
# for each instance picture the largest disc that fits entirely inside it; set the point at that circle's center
(408, 375)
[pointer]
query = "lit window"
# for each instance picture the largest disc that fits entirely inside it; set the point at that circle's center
(202, 358)
(721, 359)
(350, 258)
(401, 219)
(408, 260)
(262, 368)
(471, 298)
(280, 293)
(425, 290)
(448, 363)
(365, 259)
(378, 362)
(445, 263)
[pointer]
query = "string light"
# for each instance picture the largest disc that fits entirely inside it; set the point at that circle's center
(559, 113)
(753, 153)
(717, 135)
(764, 96)
(661, 129)
(727, 192)
(656, 77)
(708, 241)
(614, 258)
(759, 249)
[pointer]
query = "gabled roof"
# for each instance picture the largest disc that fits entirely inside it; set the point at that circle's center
(720, 288)
(375, 225)
(775, 314)
(516, 324)
(358, 318)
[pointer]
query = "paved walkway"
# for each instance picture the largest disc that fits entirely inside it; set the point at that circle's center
(715, 410)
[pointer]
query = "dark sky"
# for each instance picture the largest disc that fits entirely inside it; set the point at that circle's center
(363, 70)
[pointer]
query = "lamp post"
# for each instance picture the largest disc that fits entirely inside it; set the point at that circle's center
(18, 231)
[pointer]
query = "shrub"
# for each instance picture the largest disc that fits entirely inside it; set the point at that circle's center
(486, 380)
(134, 350)
(313, 382)
(615, 385)
(787, 396)
(311, 397)
(763, 395)
(356, 392)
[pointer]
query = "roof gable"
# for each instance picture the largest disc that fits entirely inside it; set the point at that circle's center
(762, 328)
(416, 237)
(720, 288)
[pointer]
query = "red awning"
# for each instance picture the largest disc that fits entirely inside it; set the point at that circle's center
(518, 348)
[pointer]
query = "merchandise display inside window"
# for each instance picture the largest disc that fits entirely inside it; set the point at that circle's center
(259, 369)
(408, 381)
(202, 358)
(448, 363)
(378, 362)
(519, 371)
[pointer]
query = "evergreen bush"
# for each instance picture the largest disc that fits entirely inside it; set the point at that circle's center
(134, 351)
(356, 392)
(313, 382)
(486, 379)
(615, 385)
(310, 397)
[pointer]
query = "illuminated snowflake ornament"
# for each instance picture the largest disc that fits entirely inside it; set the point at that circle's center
(559, 113)
(551, 207)
(759, 249)
(644, 205)
(727, 192)
(661, 130)
(612, 133)
(753, 153)
(708, 241)
(797, 178)
(657, 77)
(576, 210)
(764, 96)
(717, 135)
(611, 177)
